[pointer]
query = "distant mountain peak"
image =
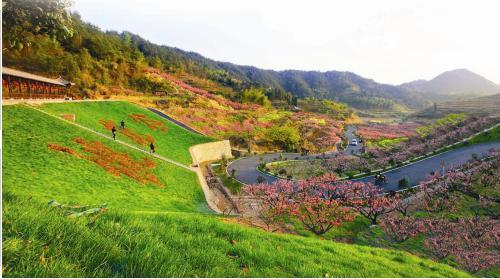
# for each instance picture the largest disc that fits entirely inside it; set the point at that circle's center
(455, 83)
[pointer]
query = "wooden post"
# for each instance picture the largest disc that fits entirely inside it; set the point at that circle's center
(28, 83)
(38, 89)
(20, 87)
(8, 86)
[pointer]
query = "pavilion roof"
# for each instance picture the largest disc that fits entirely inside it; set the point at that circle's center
(16, 73)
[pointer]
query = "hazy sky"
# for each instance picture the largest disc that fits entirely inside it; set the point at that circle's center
(391, 41)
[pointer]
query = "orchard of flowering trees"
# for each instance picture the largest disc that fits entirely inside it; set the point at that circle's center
(440, 136)
(453, 217)
(376, 132)
(247, 125)
(376, 158)
(461, 219)
(320, 203)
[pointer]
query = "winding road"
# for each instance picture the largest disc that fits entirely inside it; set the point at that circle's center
(247, 172)
(246, 167)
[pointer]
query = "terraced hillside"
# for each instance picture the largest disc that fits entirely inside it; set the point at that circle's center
(481, 105)
(156, 225)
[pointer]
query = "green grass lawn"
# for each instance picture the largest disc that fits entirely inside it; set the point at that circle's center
(385, 143)
(148, 231)
(493, 135)
(173, 144)
(233, 185)
(183, 245)
(30, 168)
(298, 169)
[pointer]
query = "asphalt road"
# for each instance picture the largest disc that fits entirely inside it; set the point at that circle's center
(246, 168)
(349, 134)
(421, 170)
(174, 121)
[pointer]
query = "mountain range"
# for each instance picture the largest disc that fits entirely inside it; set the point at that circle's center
(97, 60)
(347, 87)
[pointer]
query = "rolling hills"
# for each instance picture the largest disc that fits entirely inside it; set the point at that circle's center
(149, 230)
(103, 62)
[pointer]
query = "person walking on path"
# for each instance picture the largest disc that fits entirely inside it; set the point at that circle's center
(113, 131)
(151, 148)
(122, 124)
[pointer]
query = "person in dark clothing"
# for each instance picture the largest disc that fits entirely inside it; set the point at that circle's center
(151, 148)
(122, 124)
(113, 131)
(380, 179)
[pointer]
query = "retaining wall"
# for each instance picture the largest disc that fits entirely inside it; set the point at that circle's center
(211, 151)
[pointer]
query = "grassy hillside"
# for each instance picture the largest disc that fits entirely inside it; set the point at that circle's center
(172, 142)
(183, 245)
(31, 169)
(148, 231)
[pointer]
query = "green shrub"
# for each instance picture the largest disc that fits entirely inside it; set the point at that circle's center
(404, 183)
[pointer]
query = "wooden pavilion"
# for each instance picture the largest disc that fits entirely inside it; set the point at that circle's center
(22, 85)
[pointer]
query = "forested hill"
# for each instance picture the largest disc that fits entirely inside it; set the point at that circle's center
(41, 37)
(345, 87)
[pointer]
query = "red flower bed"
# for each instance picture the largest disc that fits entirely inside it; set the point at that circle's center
(151, 123)
(137, 138)
(115, 163)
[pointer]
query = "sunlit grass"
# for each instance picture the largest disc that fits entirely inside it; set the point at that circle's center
(173, 144)
(148, 231)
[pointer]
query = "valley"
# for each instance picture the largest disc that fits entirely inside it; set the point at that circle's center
(123, 157)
